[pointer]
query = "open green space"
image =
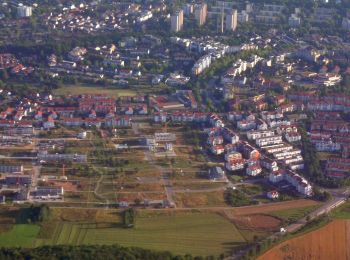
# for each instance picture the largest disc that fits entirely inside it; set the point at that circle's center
(296, 213)
(21, 235)
(82, 89)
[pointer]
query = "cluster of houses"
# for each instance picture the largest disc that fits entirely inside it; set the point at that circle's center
(10, 62)
(119, 16)
(90, 110)
(16, 184)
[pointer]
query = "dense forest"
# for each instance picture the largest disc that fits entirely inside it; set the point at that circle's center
(90, 252)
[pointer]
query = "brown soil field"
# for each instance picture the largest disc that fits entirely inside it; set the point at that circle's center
(329, 242)
(258, 222)
(267, 208)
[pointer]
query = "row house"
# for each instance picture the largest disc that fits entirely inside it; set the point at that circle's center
(321, 105)
(287, 154)
(253, 135)
(277, 122)
(72, 121)
(235, 116)
(246, 125)
(160, 117)
(122, 121)
(319, 135)
(291, 107)
(63, 111)
(327, 146)
(90, 122)
(283, 129)
(302, 96)
(271, 115)
(277, 148)
(100, 104)
(277, 139)
(294, 159)
(292, 137)
(296, 166)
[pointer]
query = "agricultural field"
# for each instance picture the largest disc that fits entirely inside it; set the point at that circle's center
(180, 234)
(329, 242)
(22, 235)
(198, 233)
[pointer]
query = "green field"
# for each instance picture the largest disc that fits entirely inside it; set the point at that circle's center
(296, 213)
(195, 233)
(81, 89)
(22, 235)
(343, 212)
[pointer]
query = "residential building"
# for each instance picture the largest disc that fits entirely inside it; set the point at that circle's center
(177, 21)
(24, 11)
(231, 20)
(201, 12)
(272, 194)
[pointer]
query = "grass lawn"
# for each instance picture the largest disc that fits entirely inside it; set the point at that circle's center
(296, 213)
(195, 233)
(21, 235)
(82, 89)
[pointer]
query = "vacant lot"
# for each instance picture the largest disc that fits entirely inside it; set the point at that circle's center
(79, 89)
(195, 233)
(329, 242)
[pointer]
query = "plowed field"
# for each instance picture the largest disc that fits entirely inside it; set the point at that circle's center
(329, 242)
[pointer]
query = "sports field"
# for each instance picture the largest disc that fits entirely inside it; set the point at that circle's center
(195, 233)
(82, 89)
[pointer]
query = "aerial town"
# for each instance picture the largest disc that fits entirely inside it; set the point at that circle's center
(234, 113)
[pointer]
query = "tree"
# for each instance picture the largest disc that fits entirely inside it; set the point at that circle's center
(129, 218)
